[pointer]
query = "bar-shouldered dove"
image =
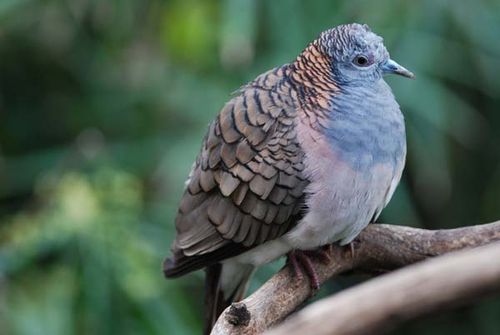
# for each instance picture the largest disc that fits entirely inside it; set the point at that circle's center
(305, 155)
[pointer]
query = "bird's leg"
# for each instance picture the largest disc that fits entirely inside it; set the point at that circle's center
(302, 264)
(293, 261)
(300, 261)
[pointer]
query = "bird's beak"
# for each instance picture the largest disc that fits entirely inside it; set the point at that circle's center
(392, 67)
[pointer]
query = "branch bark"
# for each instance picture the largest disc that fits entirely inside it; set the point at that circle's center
(383, 303)
(379, 248)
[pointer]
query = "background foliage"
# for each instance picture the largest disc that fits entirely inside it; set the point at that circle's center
(102, 108)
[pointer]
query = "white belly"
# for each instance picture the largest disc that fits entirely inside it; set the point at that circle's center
(342, 205)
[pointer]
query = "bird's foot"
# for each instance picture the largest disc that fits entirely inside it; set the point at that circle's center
(352, 246)
(301, 263)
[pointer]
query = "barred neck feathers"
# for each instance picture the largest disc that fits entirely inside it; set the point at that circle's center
(270, 80)
(311, 76)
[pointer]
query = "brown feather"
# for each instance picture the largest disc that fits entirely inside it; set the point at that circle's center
(239, 194)
(244, 152)
(227, 127)
(249, 203)
(243, 229)
(218, 209)
(259, 211)
(228, 154)
(212, 139)
(267, 171)
(194, 183)
(228, 221)
(244, 173)
(228, 183)
(235, 225)
(264, 233)
(207, 181)
(252, 234)
(272, 211)
(214, 156)
(277, 195)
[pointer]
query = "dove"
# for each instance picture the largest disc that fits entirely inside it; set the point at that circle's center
(305, 155)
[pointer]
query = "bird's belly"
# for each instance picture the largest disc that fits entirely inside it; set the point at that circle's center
(341, 202)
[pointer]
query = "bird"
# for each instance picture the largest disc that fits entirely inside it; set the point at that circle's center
(304, 156)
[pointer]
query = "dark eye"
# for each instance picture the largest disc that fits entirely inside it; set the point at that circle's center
(361, 60)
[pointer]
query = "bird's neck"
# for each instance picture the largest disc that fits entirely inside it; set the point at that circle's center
(311, 77)
(311, 72)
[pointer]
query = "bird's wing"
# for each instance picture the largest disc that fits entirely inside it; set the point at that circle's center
(246, 186)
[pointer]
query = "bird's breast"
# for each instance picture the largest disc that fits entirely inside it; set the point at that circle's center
(353, 165)
(366, 128)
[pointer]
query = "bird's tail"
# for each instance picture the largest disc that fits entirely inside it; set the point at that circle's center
(224, 284)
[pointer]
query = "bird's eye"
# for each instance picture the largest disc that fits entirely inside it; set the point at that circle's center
(361, 60)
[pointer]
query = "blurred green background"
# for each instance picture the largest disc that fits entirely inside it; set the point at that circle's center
(103, 104)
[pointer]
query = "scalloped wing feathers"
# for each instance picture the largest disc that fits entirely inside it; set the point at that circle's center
(247, 183)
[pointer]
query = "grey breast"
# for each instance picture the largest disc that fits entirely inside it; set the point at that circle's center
(367, 127)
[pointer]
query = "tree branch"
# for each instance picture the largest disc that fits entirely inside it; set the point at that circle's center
(379, 248)
(381, 304)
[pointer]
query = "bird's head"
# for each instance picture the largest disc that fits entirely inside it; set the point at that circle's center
(357, 55)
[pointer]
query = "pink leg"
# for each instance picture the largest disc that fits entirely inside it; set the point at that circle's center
(300, 261)
(301, 264)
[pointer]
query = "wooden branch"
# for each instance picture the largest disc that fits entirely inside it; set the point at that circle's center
(379, 248)
(381, 304)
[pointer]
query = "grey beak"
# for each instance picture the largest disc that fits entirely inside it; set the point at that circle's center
(392, 67)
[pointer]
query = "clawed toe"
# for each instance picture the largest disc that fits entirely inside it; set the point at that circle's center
(351, 247)
(323, 254)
